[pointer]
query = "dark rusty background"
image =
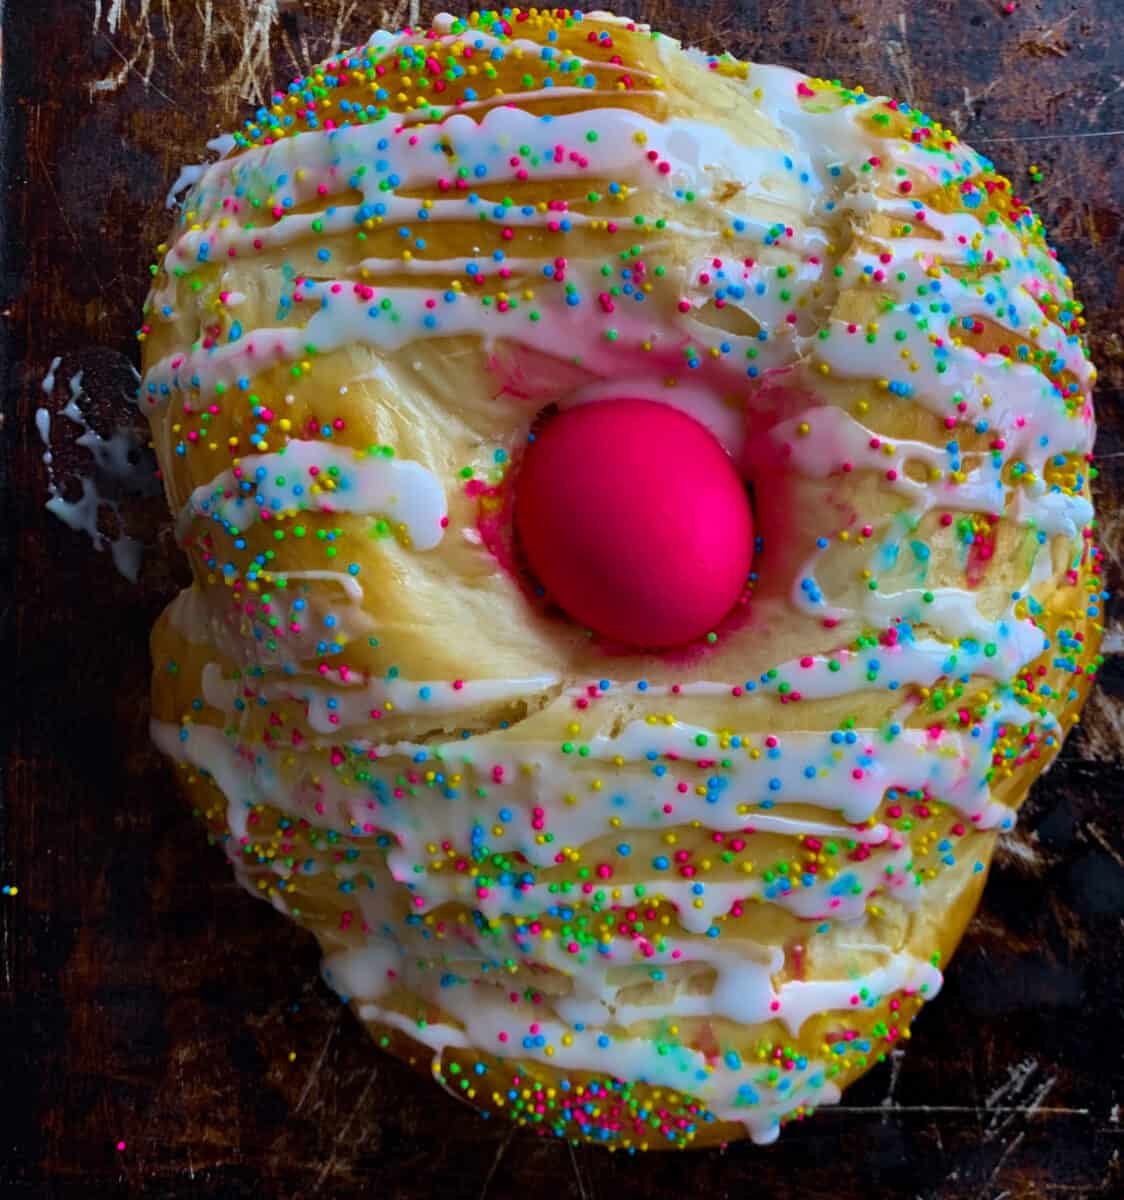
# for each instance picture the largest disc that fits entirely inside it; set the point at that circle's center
(147, 1001)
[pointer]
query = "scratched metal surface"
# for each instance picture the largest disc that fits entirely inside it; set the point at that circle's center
(148, 1002)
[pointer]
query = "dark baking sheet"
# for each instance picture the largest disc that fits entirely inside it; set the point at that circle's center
(163, 1035)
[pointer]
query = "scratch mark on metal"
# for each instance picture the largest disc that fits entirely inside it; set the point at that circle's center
(501, 1150)
(110, 83)
(967, 1110)
(6, 949)
(255, 52)
(1107, 96)
(959, 116)
(1098, 836)
(343, 15)
(315, 1070)
(1048, 137)
(1015, 847)
(113, 18)
(170, 30)
(896, 1058)
(208, 16)
(288, 46)
(1008, 1150)
(1015, 1086)
(46, 174)
(392, 18)
(333, 1158)
(901, 59)
(584, 1193)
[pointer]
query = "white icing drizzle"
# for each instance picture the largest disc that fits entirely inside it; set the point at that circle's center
(805, 771)
(742, 992)
(191, 174)
(348, 704)
(835, 442)
(117, 469)
(297, 479)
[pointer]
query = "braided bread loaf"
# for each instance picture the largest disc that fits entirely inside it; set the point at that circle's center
(648, 899)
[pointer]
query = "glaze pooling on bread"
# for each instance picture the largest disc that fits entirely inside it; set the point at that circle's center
(644, 900)
(406, 492)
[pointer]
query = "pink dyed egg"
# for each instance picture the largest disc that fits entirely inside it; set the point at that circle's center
(634, 520)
